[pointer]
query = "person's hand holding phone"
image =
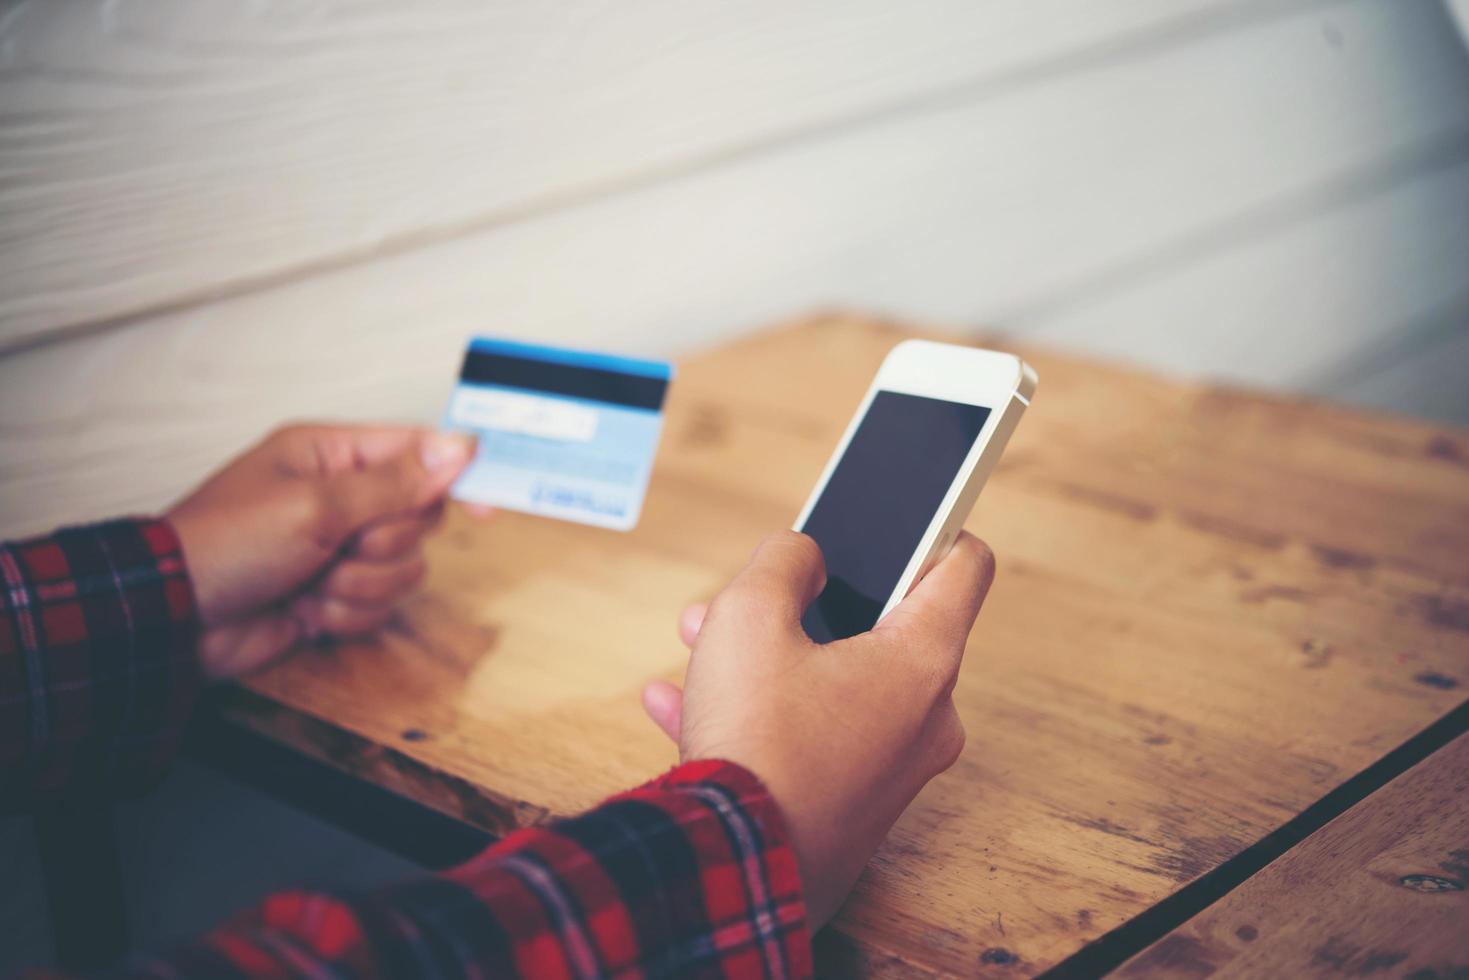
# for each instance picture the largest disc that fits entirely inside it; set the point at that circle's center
(843, 734)
(315, 531)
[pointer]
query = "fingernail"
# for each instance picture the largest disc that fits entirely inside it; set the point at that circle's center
(443, 450)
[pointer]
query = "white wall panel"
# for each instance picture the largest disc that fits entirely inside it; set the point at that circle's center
(1429, 380)
(973, 212)
(1295, 301)
(154, 153)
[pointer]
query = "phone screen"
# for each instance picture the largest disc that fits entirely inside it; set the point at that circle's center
(880, 499)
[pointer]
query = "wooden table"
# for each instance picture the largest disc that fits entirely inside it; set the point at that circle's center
(1217, 615)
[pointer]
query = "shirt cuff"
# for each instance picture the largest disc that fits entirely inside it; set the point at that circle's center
(690, 873)
(99, 658)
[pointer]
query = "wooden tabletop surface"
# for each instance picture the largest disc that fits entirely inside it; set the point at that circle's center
(1384, 889)
(1213, 608)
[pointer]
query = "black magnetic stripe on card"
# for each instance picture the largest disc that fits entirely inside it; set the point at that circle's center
(614, 387)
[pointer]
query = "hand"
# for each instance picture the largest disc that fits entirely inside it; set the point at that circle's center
(315, 531)
(845, 734)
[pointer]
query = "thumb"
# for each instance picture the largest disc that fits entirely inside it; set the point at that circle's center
(410, 480)
(944, 604)
(782, 578)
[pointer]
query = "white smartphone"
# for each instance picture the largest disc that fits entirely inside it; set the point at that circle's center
(906, 474)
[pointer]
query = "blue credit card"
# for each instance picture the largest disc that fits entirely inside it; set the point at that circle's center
(562, 433)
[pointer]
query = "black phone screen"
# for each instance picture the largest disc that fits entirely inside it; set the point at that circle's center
(880, 500)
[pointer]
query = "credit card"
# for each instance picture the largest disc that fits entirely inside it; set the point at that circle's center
(562, 433)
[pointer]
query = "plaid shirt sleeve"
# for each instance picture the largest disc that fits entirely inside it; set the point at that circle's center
(97, 659)
(690, 875)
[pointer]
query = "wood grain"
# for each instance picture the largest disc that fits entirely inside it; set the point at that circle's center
(160, 155)
(1384, 888)
(1266, 299)
(1425, 379)
(1212, 607)
(239, 141)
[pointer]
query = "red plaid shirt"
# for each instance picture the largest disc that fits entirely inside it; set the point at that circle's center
(688, 875)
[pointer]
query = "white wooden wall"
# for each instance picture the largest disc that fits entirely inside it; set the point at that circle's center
(217, 214)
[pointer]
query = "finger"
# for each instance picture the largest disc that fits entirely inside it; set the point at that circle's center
(413, 479)
(397, 537)
(664, 704)
(373, 582)
(783, 576)
(947, 741)
(236, 649)
(343, 447)
(942, 607)
(330, 616)
(373, 445)
(480, 512)
(326, 448)
(690, 621)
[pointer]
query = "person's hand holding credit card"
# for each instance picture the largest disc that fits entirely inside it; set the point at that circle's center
(562, 433)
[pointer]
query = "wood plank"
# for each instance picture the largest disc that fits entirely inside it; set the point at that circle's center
(1212, 608)
(128, 420)
(1384, 887)
(425, 123)
(244, 140)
